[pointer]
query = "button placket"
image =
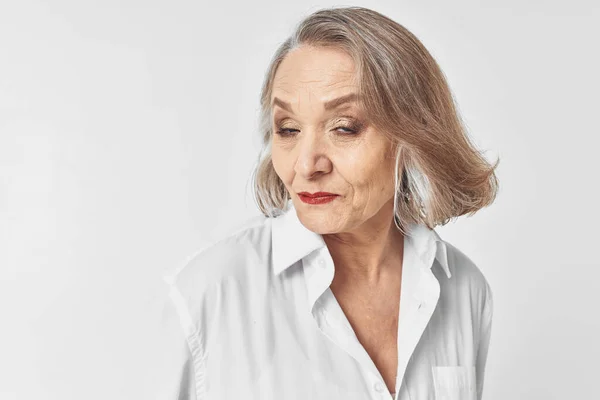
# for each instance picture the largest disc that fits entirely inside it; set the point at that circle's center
(322, 263)
(379, 387)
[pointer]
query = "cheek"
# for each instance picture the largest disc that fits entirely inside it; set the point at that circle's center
(366, 170)
(281, 165)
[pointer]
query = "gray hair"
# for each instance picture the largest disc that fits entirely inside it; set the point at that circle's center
(439, 173)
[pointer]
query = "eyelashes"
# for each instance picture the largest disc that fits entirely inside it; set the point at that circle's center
(351, 130)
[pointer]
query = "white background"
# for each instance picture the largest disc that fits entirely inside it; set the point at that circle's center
(128, 133)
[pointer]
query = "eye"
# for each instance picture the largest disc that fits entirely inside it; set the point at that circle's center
(341, 129)
(347, 130)
(349, 126)
(285, 132)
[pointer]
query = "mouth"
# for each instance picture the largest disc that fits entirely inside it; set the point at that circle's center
(317, 198)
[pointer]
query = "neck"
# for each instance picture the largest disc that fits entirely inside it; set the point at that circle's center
(371, 251)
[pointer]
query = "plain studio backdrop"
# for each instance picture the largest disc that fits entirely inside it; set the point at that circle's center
(128, 134)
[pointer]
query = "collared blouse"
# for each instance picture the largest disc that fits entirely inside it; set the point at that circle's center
(252, 316)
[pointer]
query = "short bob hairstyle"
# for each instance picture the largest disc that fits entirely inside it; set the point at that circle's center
(406, 97)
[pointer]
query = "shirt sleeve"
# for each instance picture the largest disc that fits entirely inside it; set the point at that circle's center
(176, 367)
(484, 341)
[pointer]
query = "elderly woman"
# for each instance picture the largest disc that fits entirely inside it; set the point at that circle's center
(342, 289)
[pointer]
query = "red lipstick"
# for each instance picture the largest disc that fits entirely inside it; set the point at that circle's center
(317, 197)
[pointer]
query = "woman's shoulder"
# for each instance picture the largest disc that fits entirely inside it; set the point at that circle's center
(246, 245)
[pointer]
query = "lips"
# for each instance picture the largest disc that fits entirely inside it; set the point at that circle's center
(317, 197)
(316, 194)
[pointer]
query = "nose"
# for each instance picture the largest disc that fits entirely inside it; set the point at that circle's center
(312, 156)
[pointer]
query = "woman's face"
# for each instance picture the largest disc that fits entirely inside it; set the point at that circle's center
(328, 148)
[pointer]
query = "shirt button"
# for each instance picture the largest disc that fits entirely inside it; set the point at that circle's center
(379, 387)
(322, 263)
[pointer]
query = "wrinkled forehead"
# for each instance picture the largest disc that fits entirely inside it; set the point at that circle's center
(318, 76)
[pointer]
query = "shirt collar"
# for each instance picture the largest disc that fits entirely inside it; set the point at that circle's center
(291, 241)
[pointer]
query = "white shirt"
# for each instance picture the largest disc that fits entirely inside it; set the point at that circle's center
(252, 316)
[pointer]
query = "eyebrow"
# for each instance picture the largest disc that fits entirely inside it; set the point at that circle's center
(331, 104)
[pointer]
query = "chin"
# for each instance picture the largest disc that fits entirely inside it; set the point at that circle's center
(320, 229)
(316, 222)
